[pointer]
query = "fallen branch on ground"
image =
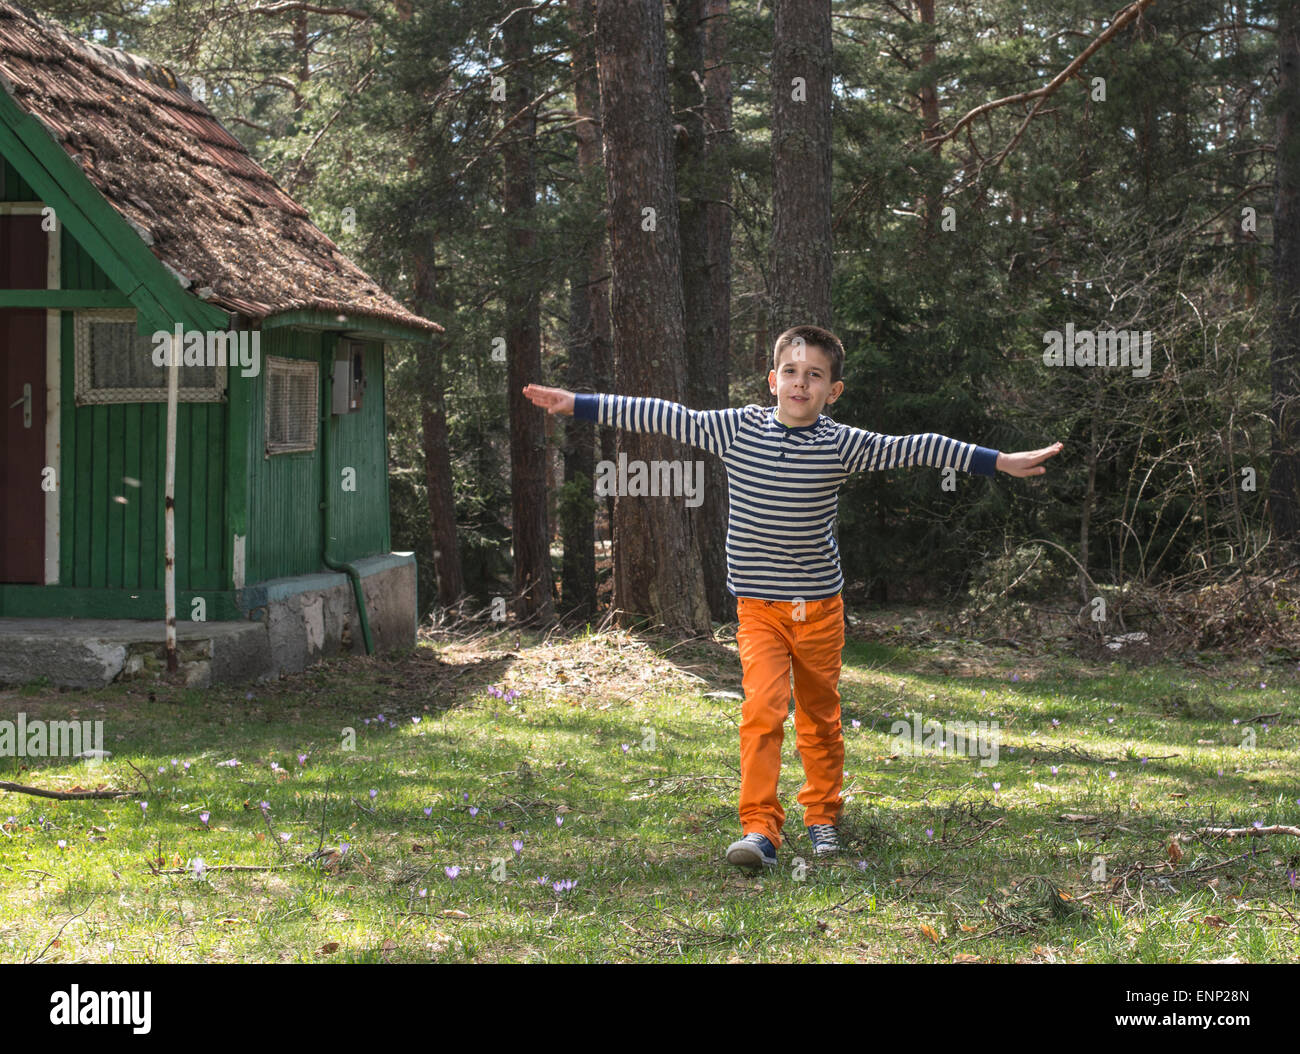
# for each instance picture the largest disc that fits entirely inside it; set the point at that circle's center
(1257, 832)
(72, 795)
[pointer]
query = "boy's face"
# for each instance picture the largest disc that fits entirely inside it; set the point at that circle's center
(802, 384)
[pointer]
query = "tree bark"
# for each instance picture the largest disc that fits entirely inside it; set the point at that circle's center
(657, 569)
(801, 164)
(1284, 481)
(702, 84)
(577, 502)
(590, 305)
(437, 450)
(530, 529)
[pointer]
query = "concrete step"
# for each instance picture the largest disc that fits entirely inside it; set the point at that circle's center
(89, 653)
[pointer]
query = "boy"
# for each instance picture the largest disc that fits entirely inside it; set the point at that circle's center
(785, 465)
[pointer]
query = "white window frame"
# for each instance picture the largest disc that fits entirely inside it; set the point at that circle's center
(87, 394)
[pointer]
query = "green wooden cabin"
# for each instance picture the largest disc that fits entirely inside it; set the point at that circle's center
(127, 210)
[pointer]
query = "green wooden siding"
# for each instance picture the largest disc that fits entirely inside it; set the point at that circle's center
(111, 530)
(284, 518)
(283, 489)
(107, 543)
(359, 519)
(15, 187)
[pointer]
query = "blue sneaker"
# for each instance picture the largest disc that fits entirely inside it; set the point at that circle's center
(825, 838)
(754, 850)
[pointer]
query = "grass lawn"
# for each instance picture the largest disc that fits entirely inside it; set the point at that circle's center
(586, 819)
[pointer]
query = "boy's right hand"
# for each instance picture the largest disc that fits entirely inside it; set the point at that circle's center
(552, 400)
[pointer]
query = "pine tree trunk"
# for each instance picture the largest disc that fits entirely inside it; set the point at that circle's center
(801, 164)
(596, 348)
(530, 529)
(702, 84)
(437, 453)
(577, 503)
(1284, 481)
(657, 569)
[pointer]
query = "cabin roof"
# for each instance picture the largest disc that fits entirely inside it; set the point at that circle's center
(191, 190)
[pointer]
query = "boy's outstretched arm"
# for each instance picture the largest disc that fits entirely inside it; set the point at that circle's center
(711, 430)
(1027, 462)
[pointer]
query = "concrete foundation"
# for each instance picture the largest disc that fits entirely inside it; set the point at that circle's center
(293, 623)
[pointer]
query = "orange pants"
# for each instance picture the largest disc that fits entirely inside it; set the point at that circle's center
(773, 641)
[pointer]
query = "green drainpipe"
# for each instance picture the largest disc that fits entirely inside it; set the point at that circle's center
(326, 490)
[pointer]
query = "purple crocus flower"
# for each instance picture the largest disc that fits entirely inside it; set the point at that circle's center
(473, 810)
(344, 847)
(62, 844)
(1258, 824)
(302, 759)
(203, 817)
(929, 832)
(1054, 770)
(265, 806)
(428, 811)
(452, 871)
(1112, 773)
(466, 796)
(559, 821)
(857, 723)
(501, 824)
(373, 794)
(517, 846)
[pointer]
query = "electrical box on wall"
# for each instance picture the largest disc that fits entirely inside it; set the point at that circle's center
(349, 376)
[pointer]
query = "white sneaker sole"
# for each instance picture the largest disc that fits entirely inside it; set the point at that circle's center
(746, 855)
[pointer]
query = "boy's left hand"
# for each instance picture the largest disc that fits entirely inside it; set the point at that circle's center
(1027, 462)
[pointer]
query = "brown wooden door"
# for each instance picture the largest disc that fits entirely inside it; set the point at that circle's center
(23, 249)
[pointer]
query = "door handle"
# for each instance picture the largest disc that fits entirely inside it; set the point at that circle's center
(26, 403)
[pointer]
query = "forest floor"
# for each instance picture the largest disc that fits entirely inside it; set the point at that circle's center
(396, 810)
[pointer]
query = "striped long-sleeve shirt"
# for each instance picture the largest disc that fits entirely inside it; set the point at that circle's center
(783, 483)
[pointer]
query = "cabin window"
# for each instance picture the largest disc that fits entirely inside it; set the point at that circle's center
(292, 404)
(116, 364)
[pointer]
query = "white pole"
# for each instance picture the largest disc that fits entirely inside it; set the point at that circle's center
(169, 514)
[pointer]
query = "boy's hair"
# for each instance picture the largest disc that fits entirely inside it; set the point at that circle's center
(812, 336)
